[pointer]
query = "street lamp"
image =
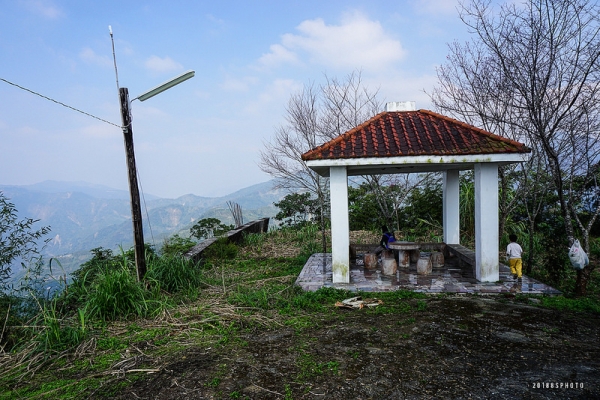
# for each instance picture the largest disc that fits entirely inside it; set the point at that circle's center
(136, 209)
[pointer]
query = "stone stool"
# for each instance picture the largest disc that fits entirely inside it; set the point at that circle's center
(424, 264)
(388, 263)
(370, 260)
(437, 259)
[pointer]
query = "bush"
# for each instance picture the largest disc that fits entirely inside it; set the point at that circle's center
(115, 294)
(14, 311)
(58, 334)
(176, 246)
(221, 250)
(173, 274)
(102, 260)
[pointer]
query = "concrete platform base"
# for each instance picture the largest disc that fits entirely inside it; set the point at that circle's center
(450, 278)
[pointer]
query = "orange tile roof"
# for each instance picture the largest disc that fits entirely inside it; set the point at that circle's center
(413, 133)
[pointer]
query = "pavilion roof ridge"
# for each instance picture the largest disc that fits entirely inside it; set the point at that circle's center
(410, 133)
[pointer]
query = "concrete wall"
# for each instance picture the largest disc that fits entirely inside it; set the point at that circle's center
(234, 235)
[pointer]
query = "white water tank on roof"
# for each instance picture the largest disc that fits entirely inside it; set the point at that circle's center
(401, 106)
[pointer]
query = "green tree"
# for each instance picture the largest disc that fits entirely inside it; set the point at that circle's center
(297, 209)
(176, 245)
(363, 209)
(423, 204)
(18, 239)
(209, 227)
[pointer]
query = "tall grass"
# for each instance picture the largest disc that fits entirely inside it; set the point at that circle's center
(173, 274)
(59, 333)
(116, 294)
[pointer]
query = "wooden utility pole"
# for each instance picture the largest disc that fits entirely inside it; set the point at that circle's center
(136, 209)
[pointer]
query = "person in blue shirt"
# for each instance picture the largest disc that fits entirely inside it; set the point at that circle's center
(387, 237)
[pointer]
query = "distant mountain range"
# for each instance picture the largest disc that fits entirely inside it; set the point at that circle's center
(83, 216)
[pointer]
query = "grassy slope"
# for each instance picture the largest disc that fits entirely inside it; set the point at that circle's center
(250, 293)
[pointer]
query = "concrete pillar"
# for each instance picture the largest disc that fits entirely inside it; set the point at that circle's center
(340, 226)
(487, 267)
(451, 219)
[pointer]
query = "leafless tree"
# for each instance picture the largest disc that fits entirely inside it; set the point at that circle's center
(470, 90)
(316, 115)
(282, 156)
(236, 212)
(533, 69)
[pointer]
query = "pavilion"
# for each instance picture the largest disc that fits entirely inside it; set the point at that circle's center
(405, 140)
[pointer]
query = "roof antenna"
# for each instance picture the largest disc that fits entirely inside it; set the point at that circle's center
(114, 57)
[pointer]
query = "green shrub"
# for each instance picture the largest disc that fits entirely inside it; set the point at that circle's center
(15, 311)
(116, 294)
(58, 334)
(173, 274)
(176, 246)
(222, 249)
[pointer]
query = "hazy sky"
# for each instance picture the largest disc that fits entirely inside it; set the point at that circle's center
(203, 136)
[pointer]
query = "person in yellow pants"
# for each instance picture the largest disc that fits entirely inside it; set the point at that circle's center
(514, 253)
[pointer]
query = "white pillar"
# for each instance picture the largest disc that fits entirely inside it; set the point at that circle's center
(486, 223)
(340, 226)
(451, 219)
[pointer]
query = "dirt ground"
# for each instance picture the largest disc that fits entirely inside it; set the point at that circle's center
(443, 347)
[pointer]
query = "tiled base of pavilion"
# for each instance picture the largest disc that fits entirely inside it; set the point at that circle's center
(450, 278)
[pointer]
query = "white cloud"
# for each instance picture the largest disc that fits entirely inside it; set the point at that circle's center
(279, 55)
(89, 56)
(160, 65)
(357, 42)
(44, 8)
(275, 94)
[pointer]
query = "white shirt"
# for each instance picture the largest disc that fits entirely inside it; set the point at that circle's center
(513, 250)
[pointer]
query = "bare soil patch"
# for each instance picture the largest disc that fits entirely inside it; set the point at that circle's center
(468, 347)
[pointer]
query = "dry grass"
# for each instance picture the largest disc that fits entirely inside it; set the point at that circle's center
(282, 243)
(364, 237)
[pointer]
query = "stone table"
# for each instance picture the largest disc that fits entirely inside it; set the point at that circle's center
(406, 252)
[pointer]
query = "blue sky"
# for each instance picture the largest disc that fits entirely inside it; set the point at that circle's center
(203, 136)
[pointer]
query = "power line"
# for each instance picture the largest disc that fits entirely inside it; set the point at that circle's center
(146, 208)
(58, 102)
